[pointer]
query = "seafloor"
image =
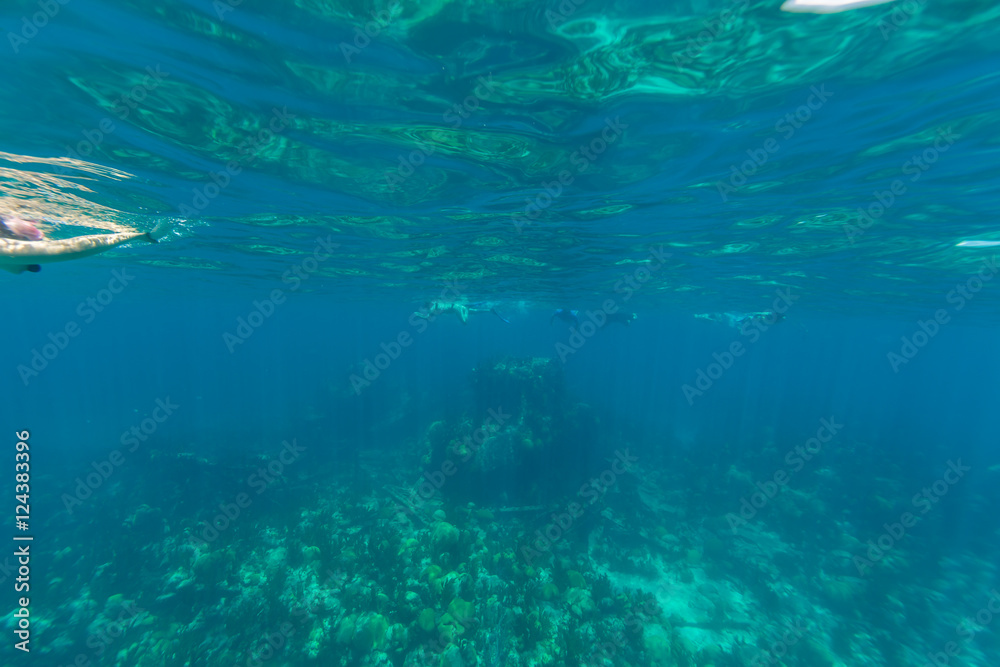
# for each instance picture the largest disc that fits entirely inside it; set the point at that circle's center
(498, 540)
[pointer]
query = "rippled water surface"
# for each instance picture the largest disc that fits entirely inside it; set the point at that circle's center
(531, 149)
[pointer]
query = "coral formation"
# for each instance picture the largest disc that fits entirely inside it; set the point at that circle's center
(653, 565)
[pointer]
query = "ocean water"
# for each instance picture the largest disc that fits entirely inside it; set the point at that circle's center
(767, 434)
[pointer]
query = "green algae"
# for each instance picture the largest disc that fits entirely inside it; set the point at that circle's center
(462, 610)
(370, 632)
(549, 591)
(425, 621)
(443, 539)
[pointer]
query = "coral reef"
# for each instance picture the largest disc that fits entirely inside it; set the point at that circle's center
(639, 564)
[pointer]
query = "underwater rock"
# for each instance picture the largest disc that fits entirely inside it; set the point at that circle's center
(210, 566)
(519, 384)
(370, 632)
(345, 631)
(452, 657)
(317, 639)
(277, 561)
(549, 591)
(444, 538)
(581, 604)
(656, 642)
(426, 620)
(842, 589)
(576, 579)
(522, 421)
(815, 653)
(410, 604)
(462, 611)
(398, 637)
(145, 518)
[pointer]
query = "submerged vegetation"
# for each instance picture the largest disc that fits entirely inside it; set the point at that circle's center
(471, 552)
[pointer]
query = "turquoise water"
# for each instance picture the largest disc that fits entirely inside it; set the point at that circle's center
(767, 437)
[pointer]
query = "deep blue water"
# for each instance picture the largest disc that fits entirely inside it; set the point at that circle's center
(597, 152)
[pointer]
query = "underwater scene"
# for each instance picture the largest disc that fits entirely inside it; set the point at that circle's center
(527, 333)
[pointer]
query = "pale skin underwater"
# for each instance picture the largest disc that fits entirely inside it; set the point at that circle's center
(24, 248)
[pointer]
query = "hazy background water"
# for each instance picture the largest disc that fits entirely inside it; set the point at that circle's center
(148, 102)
